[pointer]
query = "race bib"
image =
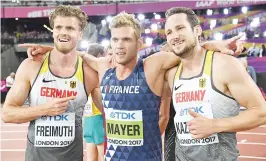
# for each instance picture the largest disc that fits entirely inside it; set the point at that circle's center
(124, 128)
(88, 108)
(182, 117)
(55, 131)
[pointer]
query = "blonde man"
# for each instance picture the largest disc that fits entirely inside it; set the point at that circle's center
(57, 90)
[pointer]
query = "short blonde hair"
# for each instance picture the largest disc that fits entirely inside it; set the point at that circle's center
(124, 19)
(69, 11)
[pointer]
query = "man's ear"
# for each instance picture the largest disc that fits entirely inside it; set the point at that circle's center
(140, 43)
(198, 30)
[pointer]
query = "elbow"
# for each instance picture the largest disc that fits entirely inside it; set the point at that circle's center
(5, 117)
(263, 116)
(260, 116)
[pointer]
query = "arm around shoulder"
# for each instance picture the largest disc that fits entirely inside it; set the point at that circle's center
(90, 60)
(165, 60)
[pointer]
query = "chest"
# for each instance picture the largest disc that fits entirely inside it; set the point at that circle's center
(62, 72)
(192, 90)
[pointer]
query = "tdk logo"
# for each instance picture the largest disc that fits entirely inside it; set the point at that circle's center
(58, 118)
(195, 109)
(122, 115)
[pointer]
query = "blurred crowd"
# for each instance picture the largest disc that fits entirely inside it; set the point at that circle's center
(17, 3)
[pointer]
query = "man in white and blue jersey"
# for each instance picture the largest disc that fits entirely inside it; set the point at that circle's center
(58, 89)
(207, 89)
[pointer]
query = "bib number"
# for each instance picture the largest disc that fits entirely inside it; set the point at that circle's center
(124, 128)
(55, 131)
(182, 117)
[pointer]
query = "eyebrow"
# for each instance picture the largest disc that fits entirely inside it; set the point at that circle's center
(65, 26)
(123, 38)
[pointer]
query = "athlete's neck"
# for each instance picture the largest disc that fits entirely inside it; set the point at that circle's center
(62, 60)
(123, 71)
(194, 58)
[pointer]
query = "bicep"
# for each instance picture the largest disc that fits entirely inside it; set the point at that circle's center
(165, 99)
(170, 60)
(90, 61)
(163, 60)
(20, 89)
(95, 63)
(243, 88)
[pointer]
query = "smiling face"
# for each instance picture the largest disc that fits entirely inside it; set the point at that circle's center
(66, 33)
(180, 35)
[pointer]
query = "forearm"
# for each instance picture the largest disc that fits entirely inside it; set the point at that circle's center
(13, 114)
(210, 45)
(246, 120)
(50, 48)
(89, 60)
(163, 121)
(169, 60)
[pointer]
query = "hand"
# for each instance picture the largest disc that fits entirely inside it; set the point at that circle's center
(35, 51)
(228, 46)
(57, 106)
(166, 48)
(112, 62)
(199, 126)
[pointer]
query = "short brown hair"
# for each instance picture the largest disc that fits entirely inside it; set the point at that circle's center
(124, 19)
(95, 49)
(191, 16)
(69, 11)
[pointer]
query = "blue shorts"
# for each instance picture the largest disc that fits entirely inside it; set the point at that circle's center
(93, 130)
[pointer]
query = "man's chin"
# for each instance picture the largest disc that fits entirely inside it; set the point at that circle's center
(64, 50)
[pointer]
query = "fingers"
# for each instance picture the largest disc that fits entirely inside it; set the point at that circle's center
(29, 51)
(60, 111)
(193, 132)
(235, 38)
(113, 61)
(37, 51)
(195, 136)
(62, 100)
(63, 104)
(28, 45)
(61, 107)
(192, 113)
(239, 48)
(227, 51)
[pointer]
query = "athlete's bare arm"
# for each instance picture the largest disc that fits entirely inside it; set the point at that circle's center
(13, 112)
(97, 99)
(244, 90)
(92, 84)
(37, 52)
(231, 78)
(165, 107)
(225, 46)
(170, 75)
